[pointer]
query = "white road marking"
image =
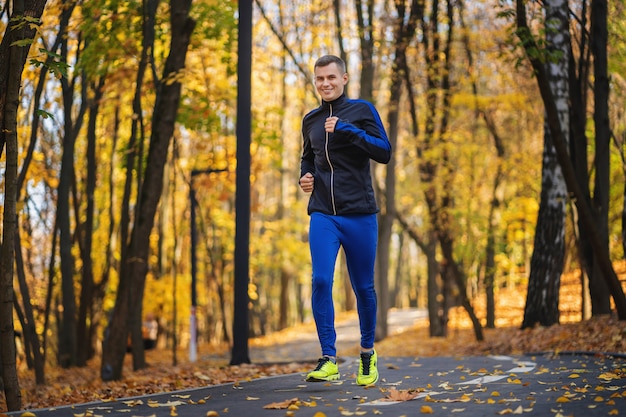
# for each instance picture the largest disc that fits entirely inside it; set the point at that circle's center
(521, 367)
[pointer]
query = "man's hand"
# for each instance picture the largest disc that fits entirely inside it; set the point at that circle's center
(330, 124)
(306, 182)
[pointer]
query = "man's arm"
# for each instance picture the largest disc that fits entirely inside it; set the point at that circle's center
(372, 138)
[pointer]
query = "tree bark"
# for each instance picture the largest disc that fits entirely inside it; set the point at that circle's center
(542, 300)
(14, 56)
(600, 295)
(88, 293)
(129, 302)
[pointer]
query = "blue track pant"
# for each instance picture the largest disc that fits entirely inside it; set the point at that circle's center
(358, 234)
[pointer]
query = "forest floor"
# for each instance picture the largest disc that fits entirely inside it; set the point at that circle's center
(81, 385)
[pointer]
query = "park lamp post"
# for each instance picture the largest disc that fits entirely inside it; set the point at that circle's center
(193, 321)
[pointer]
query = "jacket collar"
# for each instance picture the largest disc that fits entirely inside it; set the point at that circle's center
(336, 101)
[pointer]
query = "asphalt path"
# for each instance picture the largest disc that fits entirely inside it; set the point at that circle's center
(539, 385)
(306, 347)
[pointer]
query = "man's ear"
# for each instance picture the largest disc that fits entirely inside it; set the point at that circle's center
(345, 78)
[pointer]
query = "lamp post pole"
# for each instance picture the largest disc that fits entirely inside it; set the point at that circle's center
(193, 320)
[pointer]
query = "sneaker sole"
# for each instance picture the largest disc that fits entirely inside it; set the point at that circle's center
(328, 378)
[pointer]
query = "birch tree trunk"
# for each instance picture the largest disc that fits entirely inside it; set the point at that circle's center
(542, 298)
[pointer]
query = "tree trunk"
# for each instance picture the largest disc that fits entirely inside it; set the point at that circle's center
(437, 316)
(68, 342)
(27, 319)
(404, 32)
(599, 290)
(87, 290)
(490, 268)
(13, 55)
(365, 31)
(542, 301)
(129, 302)
(578, 80)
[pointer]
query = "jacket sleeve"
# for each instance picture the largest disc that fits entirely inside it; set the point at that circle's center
(307, 162)
(372, 138)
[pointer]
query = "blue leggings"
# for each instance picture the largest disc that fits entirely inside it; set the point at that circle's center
(358, 234)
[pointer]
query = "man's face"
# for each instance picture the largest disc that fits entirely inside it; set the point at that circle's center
(330, 81)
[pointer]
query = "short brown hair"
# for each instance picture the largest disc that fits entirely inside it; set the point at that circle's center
(330, 59)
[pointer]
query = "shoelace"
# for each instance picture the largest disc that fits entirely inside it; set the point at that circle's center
(365, 361)
(321, 362)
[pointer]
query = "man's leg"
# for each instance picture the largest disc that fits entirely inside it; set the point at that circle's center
(324, 246)
(359, 240)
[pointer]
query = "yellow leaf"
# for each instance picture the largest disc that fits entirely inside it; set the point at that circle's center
(282, 405)
(495, 394)
(613, 412)
(425, 409)
(598, 399)
(27, 414)
(562, 400)
(574, 376)
(212, 413)
(319, 414)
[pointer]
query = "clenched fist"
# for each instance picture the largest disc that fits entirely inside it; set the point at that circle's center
(306, 182)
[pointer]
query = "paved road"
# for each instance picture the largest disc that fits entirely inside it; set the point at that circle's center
(580, 386)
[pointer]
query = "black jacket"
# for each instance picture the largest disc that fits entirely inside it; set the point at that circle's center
(340, 161)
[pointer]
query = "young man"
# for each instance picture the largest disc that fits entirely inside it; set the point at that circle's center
(339, 139)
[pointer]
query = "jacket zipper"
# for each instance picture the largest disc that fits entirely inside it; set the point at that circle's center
(332, 169)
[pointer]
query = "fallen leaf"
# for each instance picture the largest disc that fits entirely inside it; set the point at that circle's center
(400, 395)
(281, 405)
(609, 376)
(426, 409)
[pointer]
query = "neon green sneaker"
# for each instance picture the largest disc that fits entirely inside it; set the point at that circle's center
(325, 370)
(368, 372)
